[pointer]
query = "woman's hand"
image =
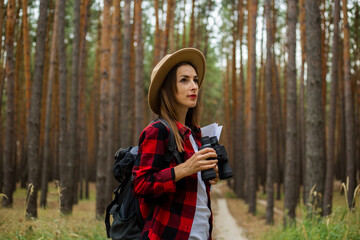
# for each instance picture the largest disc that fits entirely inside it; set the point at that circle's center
(196, 163)
(215, 180)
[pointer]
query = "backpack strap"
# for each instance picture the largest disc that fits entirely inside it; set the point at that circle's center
(119, 197)
(172, 151)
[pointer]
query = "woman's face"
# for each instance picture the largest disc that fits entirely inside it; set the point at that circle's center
(187, 86)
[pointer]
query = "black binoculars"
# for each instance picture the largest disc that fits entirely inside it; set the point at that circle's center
(223, 164)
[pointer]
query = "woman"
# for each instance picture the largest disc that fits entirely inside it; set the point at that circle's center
(174, 201)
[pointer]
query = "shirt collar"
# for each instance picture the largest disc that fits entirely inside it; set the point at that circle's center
(186, 130)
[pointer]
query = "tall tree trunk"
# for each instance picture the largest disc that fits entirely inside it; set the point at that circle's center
(9, 148)
(184, 43)
(2, 83)
(70, 181)
(301, 128)
(269, 112)
(27, 74)
(34, 115)
(315, 159)
(239, 170)
(349, 111)
(48, 110)
(112, 96)
(84, 15)
(139, 68)
(169, 26)
(329, 180)
(251, 135)
(62, 104)
(101, 173)
(192, 25)
(290, 181)
(125, 105)
(157, 40)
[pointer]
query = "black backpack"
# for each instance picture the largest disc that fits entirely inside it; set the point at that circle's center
(127, 221)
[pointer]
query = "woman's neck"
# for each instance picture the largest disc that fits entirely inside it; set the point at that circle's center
(182, 115)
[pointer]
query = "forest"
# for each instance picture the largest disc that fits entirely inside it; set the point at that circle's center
(282, 77)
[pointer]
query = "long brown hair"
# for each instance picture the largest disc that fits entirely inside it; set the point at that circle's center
(167, 103)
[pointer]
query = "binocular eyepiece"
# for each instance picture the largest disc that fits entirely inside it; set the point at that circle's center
(223, 164)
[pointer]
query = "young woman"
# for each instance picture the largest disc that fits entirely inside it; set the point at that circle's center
(174, 200)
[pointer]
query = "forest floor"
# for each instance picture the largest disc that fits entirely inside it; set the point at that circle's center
(231, 217)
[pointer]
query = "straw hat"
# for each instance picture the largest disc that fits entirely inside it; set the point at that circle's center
(190, 55)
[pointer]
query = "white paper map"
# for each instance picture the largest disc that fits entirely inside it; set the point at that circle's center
(212, 130)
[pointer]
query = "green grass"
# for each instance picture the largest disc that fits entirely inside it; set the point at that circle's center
(341, 224)
(82, 224)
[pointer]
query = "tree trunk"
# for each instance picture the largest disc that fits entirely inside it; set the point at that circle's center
(125, 105)
(70, 181)
(2, 83)
(104, 113)
(184, 43)
(192, 25)
(84, 15)
(34, 115)
(329, 180)
(9, 148)
(27, 74)
(269, 112)
(239, 171)
(315, 160)
(51, 76)
(349, 111)
(301, 123)
(112, 97)
(169, 26)
(63, 142)
(139, 68)
(157, 45)
(290, 181)
(251, 135)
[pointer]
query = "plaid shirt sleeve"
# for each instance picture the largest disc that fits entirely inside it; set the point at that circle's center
(153, 176)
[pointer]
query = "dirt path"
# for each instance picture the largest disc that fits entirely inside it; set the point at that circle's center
(225, 226)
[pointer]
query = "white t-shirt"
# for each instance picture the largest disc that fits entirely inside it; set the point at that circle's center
(200, 228)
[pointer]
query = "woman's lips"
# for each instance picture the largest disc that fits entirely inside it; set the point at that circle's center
(192, 96)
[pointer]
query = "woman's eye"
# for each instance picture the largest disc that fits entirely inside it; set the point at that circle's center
(183, 80)
(196, 80)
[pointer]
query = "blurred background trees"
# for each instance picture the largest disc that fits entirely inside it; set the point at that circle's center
(282, 77)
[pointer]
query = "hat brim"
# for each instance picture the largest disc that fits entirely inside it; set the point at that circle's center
(189, 55)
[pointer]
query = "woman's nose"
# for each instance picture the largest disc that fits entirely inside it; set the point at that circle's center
(194, 85)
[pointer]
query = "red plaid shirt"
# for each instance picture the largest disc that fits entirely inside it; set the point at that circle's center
(154, 182)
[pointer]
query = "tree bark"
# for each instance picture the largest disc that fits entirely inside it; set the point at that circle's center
(349, 111)
(139, 68)
(84, 15)
(125, 105)
(315, 160)
(290, 181)
(9, 147)
(101, 173)
(51, 76)
(169, 26)
(251, 135)
(34, 115)
(63, 142)
(239, 170)
(68, 191)
(301, 128)
(269, 113)
(329, 182)
(192, 25)
(112, 96)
